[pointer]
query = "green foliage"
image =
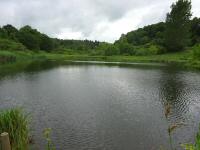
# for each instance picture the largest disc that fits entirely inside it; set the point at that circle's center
(195, 146)
(6, 44)
(196, 52)
(10, 32)
(149, 49)
(133, 43)
(16, 124)
(173, 35)
(78, 45)
(144, 41)
(106, 49)
(177, 35)
(141, 50)
(155, 49)
(100, 49)
(46, 43)
(125, 48)
(112, 50)
(195, 29)
(46, 134)
(197, 142)
(149, 34)
(29, 37)
(3, 33)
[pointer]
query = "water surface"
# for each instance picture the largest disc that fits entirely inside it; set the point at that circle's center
(105, 106)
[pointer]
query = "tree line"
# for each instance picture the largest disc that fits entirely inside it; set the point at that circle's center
(177, 33)
(32, 39)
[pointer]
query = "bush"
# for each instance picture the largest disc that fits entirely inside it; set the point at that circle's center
(16, 124)
(196, 52)
(6, 44)
(155, 49)
(111, 50)
(148, 49)
(97, 52)
(126, 48)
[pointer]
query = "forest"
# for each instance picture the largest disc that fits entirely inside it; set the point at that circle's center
(143, 41)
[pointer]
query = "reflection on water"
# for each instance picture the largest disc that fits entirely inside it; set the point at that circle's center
(104, 106)
(174, 92)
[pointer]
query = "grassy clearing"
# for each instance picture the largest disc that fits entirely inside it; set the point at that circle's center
(16, 124)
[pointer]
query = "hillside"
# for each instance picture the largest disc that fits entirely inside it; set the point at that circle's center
(150, 39)
(143, 41)
(34, 40)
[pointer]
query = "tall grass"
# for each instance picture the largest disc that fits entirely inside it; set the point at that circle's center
(171, 126)
(16, 123)
(195, 146)
(50, 145)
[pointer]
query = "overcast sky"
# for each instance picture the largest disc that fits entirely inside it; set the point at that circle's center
(103, 20)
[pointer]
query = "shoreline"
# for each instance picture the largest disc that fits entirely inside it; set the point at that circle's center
(181, 59)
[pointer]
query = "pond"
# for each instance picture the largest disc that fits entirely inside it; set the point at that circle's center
(105, 106)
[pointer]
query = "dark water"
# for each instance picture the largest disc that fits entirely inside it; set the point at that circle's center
(105, 107)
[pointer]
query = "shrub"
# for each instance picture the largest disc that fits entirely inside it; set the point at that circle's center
(6, 44)
(148, 49)
(111, 50)
(196, 52)
(126, 48)
(97, 52)
(155, 49)
(141, 51)
(16, 124)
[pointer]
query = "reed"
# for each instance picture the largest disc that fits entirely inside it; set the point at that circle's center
(171, 126)
(16, 123)
(50, 145)
(195, 146)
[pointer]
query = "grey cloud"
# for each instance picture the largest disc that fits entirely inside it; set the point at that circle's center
(84, 16)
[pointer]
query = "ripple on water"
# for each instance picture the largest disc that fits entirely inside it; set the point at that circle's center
(106, 106)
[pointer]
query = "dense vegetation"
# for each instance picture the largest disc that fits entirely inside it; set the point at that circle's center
(28, 38)
(144, 41)
(176, 34)
(152, 39)
(16, 124)
(179, 33)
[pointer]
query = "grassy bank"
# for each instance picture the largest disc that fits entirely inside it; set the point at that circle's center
(184, 59)
(19, 56)
(16, 123)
